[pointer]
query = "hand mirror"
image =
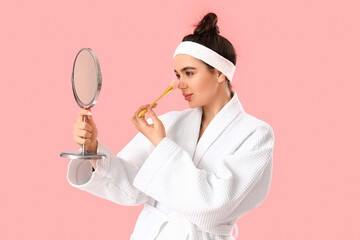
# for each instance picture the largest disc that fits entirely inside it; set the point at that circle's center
(86, 84)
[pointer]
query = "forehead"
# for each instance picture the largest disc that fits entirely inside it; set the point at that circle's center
(183, 60)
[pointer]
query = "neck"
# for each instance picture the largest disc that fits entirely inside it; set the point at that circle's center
(216, 104)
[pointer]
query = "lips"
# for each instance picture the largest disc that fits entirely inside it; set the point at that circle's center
(185, 95)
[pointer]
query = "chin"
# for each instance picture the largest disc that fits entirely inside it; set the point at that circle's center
(192, 105)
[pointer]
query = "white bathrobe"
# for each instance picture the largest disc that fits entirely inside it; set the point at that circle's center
(190, 190)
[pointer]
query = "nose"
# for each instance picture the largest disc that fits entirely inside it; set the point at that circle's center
(181, 84)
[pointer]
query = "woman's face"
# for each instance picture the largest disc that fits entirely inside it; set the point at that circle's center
(197, 79)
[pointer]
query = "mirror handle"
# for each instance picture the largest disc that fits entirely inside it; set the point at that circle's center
(84, 146)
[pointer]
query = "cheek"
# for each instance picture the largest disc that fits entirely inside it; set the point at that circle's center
(202, 83)
(204, 89)
(206, 85)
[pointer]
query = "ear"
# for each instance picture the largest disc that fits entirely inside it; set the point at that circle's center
(220, 76)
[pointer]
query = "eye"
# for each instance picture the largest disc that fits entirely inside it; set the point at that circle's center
(178, 76)
(190, 73)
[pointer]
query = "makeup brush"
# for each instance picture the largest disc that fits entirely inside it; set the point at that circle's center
(173, 85)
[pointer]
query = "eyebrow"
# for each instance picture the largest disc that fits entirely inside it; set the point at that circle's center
(185, 68)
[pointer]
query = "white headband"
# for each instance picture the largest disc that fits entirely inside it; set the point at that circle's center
(207, 55)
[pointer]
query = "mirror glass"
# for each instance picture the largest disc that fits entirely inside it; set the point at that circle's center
(85, 78)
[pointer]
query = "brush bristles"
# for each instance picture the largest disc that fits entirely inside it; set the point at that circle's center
(174, 84)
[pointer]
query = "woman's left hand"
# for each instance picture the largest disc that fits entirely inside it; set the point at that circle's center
(154, 132)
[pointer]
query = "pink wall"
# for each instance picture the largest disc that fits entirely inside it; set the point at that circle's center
(298, 69)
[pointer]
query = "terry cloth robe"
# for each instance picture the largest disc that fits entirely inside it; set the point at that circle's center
(190, 189)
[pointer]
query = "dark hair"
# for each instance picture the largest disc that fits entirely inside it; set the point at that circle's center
(207, 34)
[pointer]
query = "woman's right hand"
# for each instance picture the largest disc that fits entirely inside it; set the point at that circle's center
(85, 132)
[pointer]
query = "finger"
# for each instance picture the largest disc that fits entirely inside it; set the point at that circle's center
(90, 120)
(84, 134)
(141, 108)
(83, 126)
(142, 121)
(154, 117)
(145, 123)
(81, 114)
(80, 126)
(135, 117)
(80, 140)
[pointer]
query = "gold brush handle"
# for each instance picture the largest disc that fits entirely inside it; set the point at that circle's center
(169, 89)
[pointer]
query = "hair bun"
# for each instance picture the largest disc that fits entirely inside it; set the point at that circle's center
(207, 25)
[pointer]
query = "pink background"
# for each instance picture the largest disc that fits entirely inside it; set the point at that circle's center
(297, 69)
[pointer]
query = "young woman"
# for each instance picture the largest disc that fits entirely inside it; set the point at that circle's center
(197, 170)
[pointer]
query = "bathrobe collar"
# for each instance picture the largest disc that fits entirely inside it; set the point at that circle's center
(217, 125)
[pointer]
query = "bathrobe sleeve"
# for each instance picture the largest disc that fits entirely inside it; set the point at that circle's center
(114, 175)
(206, 198)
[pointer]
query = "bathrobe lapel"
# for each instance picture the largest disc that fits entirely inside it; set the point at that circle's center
(189, 134)
(217, 125)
